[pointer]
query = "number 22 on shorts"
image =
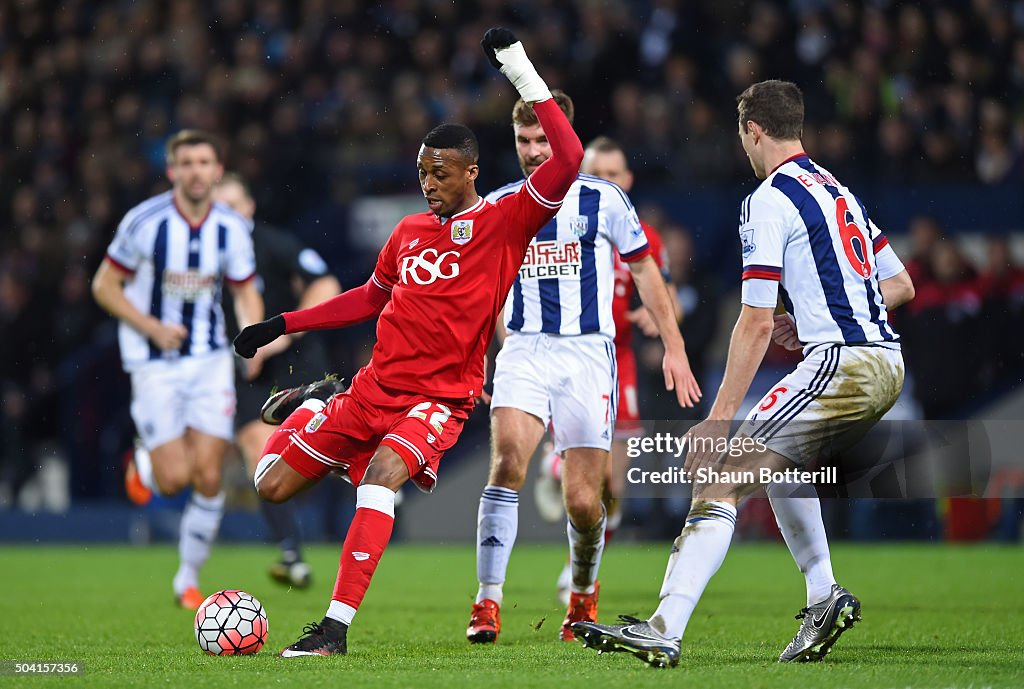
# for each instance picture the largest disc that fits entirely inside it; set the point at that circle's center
(436, 420)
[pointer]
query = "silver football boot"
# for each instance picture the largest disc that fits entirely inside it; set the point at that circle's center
(822, 625)
(635, 636)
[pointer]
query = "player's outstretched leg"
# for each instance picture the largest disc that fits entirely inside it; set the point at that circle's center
(698, 552)
(822, 625)
(367, 538)
(282, 403)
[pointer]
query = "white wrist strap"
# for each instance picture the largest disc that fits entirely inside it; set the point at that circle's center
(520, 71)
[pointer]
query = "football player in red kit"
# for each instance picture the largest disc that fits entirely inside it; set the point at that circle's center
(438, 287)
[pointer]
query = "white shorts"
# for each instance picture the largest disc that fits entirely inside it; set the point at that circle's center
(569, 381)
(192, 392)
(832, 398)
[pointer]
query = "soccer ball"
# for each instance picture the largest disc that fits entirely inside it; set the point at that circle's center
(231, 623)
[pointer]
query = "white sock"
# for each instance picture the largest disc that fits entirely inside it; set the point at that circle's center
(340, 612)
(702, 546)
(496, 526)
(798, 514)
(585, 548)
(199, 525)
(144, 467)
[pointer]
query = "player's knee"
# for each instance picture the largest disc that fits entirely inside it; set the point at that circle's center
(206, 478)
(584, 510)
(171, 480)
(386, 469)
(507, 471)
(272, 489)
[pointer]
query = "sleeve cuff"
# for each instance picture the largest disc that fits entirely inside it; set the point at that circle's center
(120, 266)
(232, 281)
(760, 272)
(636, 255)
(380, 283)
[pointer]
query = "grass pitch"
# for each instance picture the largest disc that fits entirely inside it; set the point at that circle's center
(934, 616)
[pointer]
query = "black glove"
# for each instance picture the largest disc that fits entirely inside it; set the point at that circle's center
(494, 39)
(257, 335)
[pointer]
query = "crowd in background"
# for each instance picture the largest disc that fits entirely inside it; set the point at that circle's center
(321, 102)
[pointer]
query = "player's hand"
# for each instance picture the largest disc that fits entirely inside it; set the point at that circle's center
(506, 53)
(641, 318)
(255, 336)
(497, 38)
(167, 336)
(784, 332)
(705, 437)
(679, 377)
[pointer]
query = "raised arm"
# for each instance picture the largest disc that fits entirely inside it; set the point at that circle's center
(552, 179)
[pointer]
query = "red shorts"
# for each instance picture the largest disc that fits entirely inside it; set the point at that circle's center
(344, 436)
(627, 421)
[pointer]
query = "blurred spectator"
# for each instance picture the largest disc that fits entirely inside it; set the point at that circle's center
(946, 309)
(1002, 285)
(925, 232)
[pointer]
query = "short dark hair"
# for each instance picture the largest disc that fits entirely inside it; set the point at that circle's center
(778, 106)
(524, 116)
(455, 136)
(193, 137)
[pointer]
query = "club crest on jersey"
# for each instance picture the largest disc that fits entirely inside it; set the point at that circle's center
(747, 239)
(578, 224)
(316, 422)
(462, 231)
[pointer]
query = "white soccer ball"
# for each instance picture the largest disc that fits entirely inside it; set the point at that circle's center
(231, 623)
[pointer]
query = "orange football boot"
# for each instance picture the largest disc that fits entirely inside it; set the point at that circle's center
(582, 608)
(191, 599)
(485, 622)
(133, 486)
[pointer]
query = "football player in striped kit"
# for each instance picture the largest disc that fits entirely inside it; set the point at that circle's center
(807, 240)
(162, 278)
(557, 365)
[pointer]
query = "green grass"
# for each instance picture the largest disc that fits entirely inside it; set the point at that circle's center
(934, 616)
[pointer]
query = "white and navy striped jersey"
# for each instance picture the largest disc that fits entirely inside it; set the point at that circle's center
(567, 281)
(804, 230)
(177, 273)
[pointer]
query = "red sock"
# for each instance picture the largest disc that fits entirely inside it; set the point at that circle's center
(367, 538)
(279, 439)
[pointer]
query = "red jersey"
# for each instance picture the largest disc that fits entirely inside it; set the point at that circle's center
(448, 280)
(440, 283)
(624, 286)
